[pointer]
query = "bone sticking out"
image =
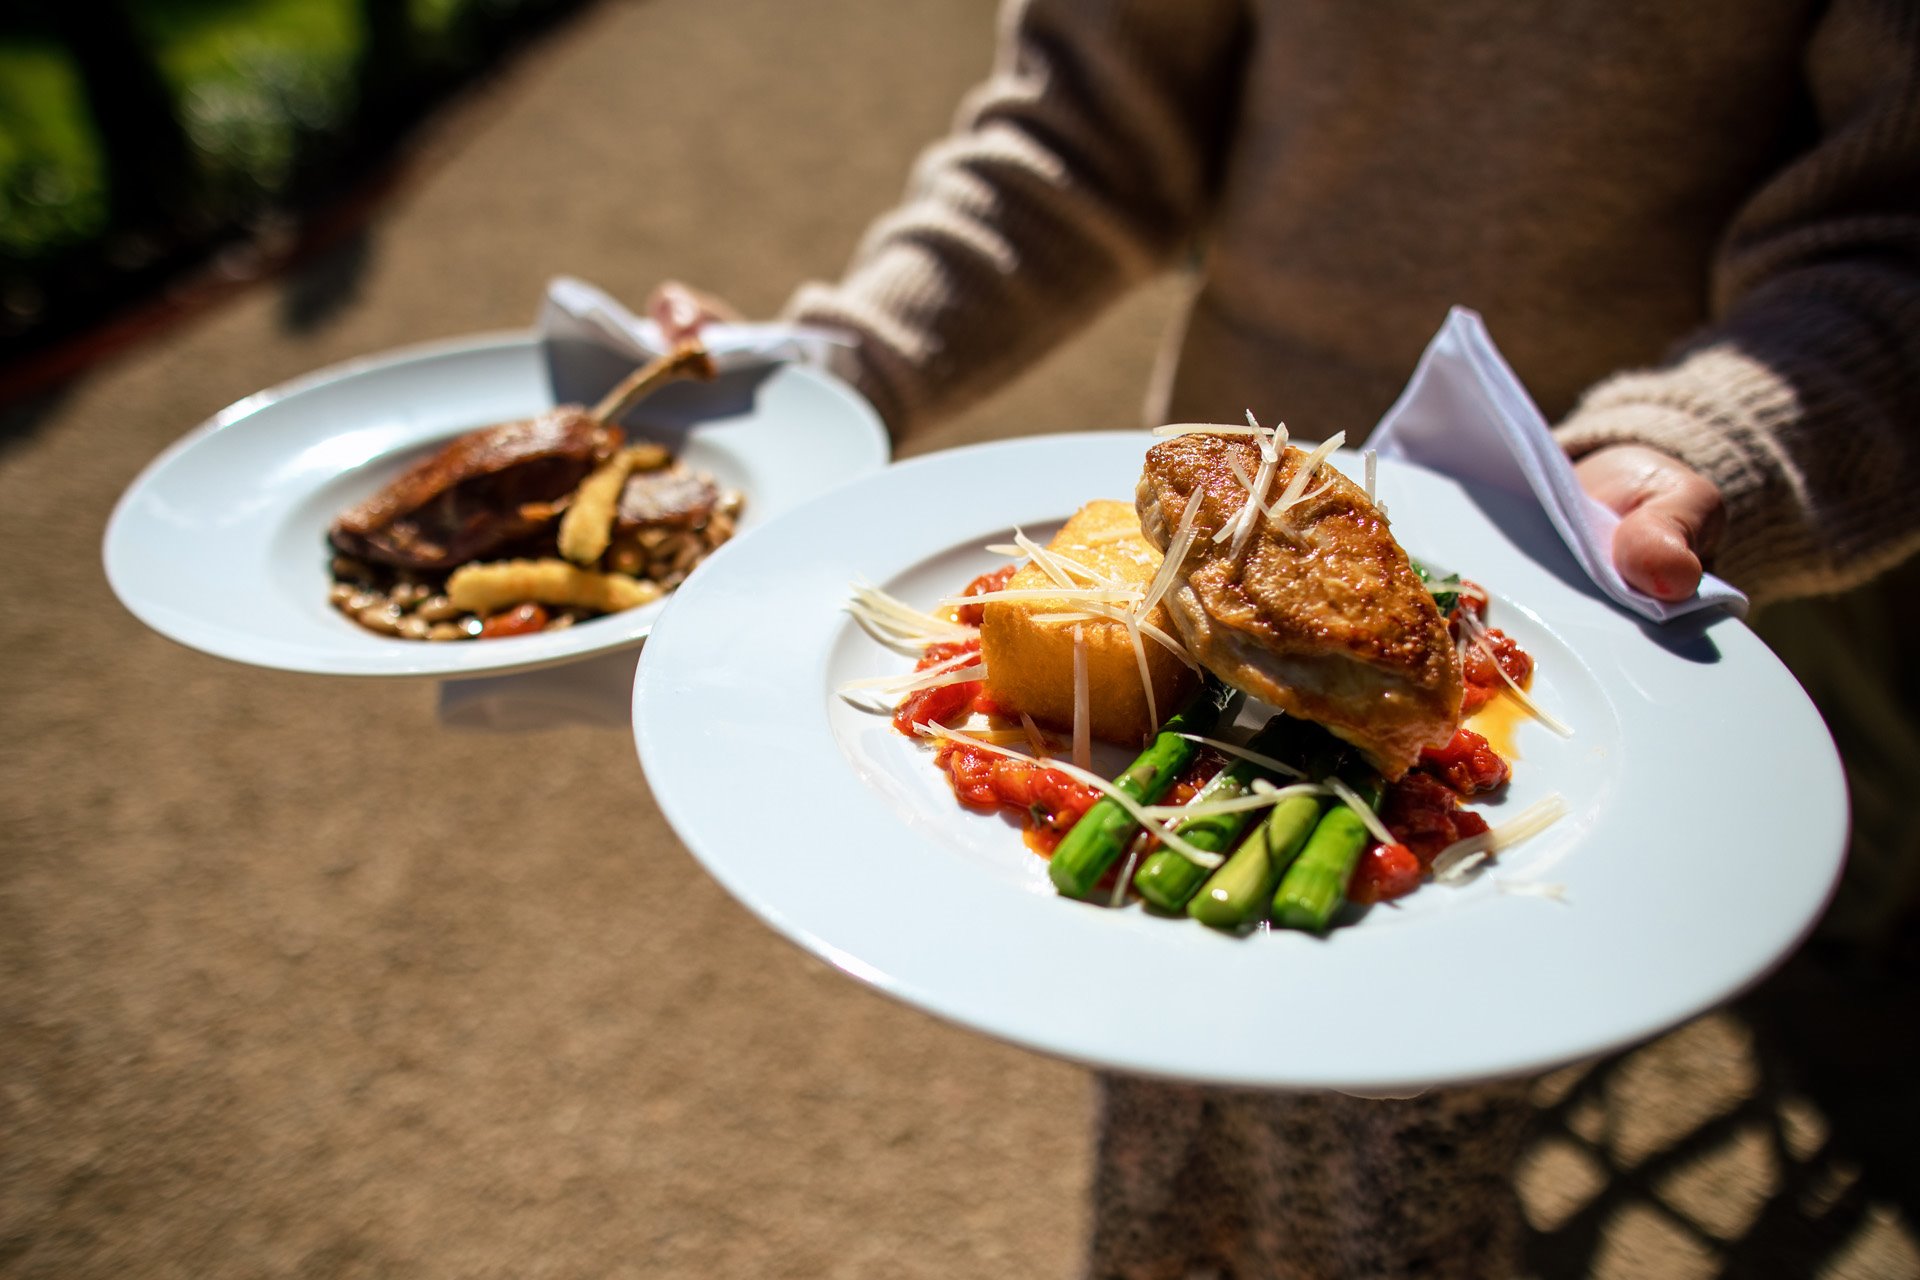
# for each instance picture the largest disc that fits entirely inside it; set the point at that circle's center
(688, 360)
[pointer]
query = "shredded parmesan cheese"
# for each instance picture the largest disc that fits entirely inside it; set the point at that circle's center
(1061, 569)
(1125, 878)
(853, 690)
(1533, 889)
(1035, 738)
(1367, 816)
(899, 625)
(1295, 493)
(1232, 749)
(929, 678)
(1099, 612)
(1082, 703)
(1240, 528)
(1176, 555)
(1259, 798)
(1475, 632)
(1146, 674)
(1462, 856)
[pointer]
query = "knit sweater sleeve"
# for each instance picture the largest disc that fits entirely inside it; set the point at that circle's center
(1081, 165)
(1801, 399)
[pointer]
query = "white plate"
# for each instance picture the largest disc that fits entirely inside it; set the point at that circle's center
(1706, 810)
(220, 543)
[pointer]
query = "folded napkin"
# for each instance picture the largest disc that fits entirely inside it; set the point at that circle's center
(1465, 414)
(583, 327)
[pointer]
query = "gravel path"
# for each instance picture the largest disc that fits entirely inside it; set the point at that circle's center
(293, 982)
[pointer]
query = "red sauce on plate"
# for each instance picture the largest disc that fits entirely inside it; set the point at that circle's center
(1422, 809)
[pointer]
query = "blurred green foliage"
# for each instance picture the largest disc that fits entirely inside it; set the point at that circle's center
(52, 188)
(135, 133)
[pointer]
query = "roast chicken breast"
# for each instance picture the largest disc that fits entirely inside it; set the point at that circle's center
(1320, 614)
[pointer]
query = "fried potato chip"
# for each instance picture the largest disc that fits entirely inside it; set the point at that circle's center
(487, 588)
(587, 526)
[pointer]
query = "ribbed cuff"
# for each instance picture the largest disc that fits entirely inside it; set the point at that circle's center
(860, 366)
(1726, 415)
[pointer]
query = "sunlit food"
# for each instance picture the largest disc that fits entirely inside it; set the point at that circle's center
(1281, 585)
(531, 525)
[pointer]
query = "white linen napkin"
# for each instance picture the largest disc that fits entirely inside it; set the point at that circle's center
(1465, 414)
(576, 315)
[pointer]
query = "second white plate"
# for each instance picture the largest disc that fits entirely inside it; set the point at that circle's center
(220, 543)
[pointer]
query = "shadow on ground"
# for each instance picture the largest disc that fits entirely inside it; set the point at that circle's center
(1801, 1137)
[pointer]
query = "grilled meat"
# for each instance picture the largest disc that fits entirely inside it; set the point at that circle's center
(488, 490)
(1320, 614)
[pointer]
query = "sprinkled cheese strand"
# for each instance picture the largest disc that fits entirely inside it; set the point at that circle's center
(897, 624)
(1240, 528)
(1082, 703)
(1475, 632)
(913, 678)
(1035, 738)
(1176, 555)
(1232, 749)
(1277, 511)
(1295, 492)
(1239, 472)
(1146, 674)
(1055, 570)
(1134, 808)
(1059, 568)
(1460, 857)
(1025, 546)
(1367, 816)
(1533, 889)
(1095, 612)
(1125, 878)
(1260, 799)
(894, 686)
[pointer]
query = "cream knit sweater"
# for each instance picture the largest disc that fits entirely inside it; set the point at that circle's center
(1695, 226)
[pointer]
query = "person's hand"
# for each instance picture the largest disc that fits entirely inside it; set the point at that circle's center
(681, 310)
(1671, 516)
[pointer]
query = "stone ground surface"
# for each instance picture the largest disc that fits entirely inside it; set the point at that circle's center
(293, 982)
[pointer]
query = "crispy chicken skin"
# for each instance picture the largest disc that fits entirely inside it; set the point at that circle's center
(1323, 618)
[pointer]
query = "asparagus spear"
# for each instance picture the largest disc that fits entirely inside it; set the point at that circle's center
(1168, 879)
(1102, 833)
(1316, 884)
(1239, 890)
